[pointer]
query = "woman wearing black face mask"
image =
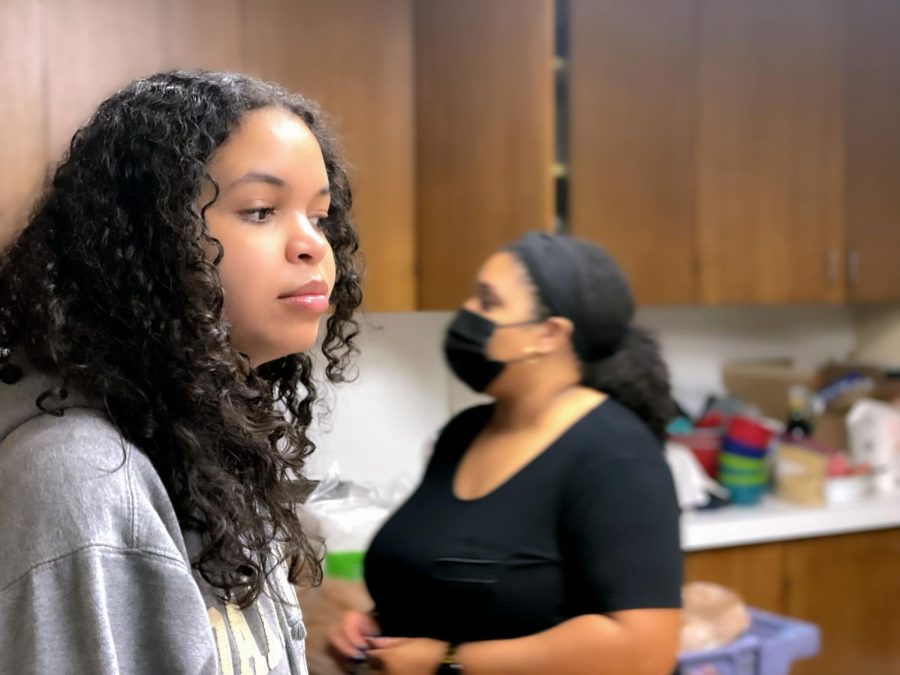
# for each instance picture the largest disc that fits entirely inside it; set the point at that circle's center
(543, 538)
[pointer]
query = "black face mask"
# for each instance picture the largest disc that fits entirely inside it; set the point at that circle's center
(465, 346)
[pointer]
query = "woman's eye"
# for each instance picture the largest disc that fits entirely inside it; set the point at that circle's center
(260, 215)
(318, 221)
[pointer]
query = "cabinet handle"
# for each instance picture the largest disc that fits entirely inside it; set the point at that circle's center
(831, 266)
(853, 267)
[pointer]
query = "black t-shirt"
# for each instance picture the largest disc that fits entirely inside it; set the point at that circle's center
(589, 526)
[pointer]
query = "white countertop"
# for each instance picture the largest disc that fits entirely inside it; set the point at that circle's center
(776, 520)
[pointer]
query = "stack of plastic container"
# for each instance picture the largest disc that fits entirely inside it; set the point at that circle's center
(743, 465)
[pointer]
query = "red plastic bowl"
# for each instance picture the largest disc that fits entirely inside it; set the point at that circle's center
(705, 445)
(709, 460)
(710, 420)
(748, 432)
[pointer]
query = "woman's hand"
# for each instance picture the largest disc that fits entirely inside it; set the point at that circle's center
(406, 656)
(348, 639)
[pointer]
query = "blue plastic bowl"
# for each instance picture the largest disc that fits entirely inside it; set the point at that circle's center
(738, 448)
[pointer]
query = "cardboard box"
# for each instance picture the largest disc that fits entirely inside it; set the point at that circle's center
(830, 429)
(800, 475)
(884, 388)
(766, 383)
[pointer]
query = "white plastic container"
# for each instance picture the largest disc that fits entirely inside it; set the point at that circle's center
(847, 489)
(874, 432)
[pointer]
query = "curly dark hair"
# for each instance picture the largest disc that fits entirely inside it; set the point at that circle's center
(111, 288)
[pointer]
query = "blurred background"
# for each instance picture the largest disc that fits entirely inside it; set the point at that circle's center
(740, 158)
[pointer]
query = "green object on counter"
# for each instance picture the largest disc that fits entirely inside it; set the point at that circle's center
(742, 479)
(739, 463)
(344, 565)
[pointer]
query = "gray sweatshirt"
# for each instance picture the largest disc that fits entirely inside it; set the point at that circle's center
(95, 573)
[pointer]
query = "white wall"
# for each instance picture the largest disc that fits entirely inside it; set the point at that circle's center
(376, 426)
(379, 424)
(696, 341)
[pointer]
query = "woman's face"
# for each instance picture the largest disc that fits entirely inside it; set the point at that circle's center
(278, 268)
(504, 294)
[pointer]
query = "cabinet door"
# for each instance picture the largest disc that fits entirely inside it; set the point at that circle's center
(93, 48)
(850, 586)
(203, 34)
(873, 148)
(770, 151)
(354, 57)
(633, 166)
(22, 133)
(484, 123)
(754, 572)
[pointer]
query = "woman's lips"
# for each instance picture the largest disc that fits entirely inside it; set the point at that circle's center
(310, 302)
(311, 296)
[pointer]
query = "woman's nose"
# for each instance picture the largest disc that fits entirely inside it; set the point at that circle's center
(471, 304)
(307, 243)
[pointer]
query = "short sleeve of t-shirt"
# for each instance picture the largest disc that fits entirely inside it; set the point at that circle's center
(620, 530)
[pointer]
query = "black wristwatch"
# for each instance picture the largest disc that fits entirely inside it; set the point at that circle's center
(450, 666)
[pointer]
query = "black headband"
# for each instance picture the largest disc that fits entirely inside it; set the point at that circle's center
(562, 274)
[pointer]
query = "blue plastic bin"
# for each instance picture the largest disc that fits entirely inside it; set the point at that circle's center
(768, 647)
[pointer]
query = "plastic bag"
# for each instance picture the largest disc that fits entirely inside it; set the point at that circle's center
(692, 485)
(712, 617)
(347, 515)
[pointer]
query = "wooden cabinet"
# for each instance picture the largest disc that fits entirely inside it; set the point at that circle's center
(352, 56)
(848, 585)
(355, 58)
(769, 131)
(92, 49)
(631, 123)
(484, 136)
(724, 152)
(756, 572)
(739, 152)
(872, 148)
(203, 34)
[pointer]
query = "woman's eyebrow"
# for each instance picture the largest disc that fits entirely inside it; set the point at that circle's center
(258, 177)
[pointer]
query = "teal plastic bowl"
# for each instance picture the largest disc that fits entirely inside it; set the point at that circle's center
(746, 495)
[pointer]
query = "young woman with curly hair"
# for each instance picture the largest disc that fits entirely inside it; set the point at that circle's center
(155, 318)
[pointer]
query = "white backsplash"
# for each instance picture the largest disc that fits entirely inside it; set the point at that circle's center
(379, 425)
(376, 426)
(697, 341)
